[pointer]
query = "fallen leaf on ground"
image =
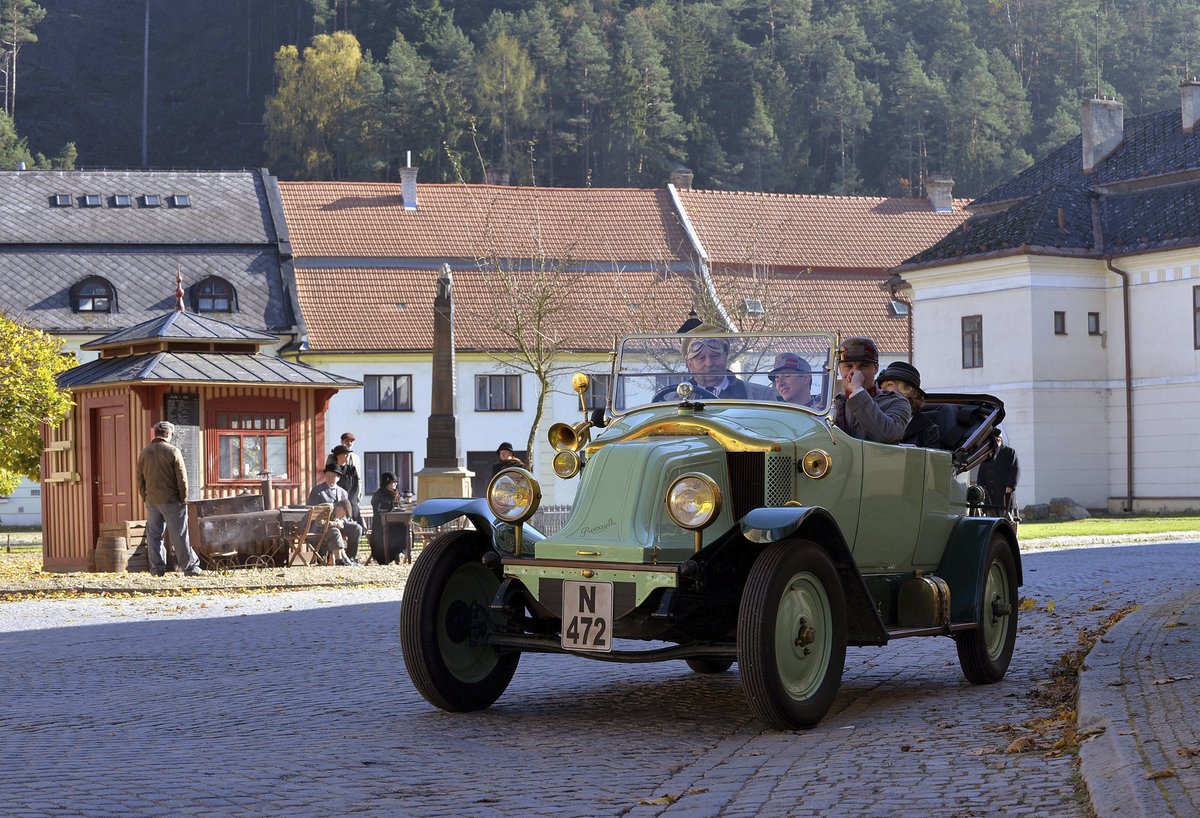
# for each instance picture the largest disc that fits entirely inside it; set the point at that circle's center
(1173, 679)
(1188, 752)
(670, 798)
(1049, 606)
(1028, 603)
(1022, 745)
(1168, 773)
(1175, 625)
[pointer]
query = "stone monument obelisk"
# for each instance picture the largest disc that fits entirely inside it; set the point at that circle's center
(444, 474)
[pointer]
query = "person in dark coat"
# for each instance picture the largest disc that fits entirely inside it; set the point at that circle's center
(861, 409)
(350, 480)
(389, 541)
(505, 459)
(999, 476)
(904, 379)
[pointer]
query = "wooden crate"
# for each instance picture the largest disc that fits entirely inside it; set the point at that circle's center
(134, 532)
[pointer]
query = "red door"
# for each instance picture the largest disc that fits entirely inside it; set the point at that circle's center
(112, 474)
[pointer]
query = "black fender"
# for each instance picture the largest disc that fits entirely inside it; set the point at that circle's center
(864, 626)
(963, 562)
(443, 510)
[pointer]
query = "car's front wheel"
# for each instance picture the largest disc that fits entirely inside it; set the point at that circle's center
(986, 651)
(444, 622)
(791, 636)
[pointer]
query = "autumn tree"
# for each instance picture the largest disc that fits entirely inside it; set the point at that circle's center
(30, 360)
(323, 121)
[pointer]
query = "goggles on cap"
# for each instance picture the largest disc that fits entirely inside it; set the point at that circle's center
(694, 348)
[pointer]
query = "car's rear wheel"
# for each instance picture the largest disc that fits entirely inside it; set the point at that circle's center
(986, 651)
(709, 665)
(791, 638)
(444, 619)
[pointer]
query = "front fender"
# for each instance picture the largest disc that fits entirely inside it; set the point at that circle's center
(443, 510)
(963, 565)
(763, 525)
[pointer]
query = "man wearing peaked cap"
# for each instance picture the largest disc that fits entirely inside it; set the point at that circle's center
(792, 377)
(861, 409)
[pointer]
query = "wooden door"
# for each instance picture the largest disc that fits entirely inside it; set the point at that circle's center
(112, 473)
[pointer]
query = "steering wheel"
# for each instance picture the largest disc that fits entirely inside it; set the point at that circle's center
(698, 393)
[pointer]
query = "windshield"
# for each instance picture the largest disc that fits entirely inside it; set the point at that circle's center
(792, 369)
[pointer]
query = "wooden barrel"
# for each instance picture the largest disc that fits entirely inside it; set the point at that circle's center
(111, 554)
(91, 563)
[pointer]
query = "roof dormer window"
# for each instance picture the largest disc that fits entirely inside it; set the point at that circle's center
(90, 200)
(94, 294)
(122, 200)
(181, 200)
(151, 200)
(61, 200)
(214, 294)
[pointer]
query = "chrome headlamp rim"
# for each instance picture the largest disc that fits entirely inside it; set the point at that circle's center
(511, 515)
(710, 485)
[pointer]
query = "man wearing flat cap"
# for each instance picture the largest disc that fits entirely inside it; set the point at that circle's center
(342, 537)
(861, 409)
(792, 377)
(707, 360)
(163, 484)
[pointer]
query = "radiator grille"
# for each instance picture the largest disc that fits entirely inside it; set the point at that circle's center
(746, 477)
(780, 470)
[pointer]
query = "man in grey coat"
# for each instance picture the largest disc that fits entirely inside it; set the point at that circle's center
(861, 409)
(163, 484)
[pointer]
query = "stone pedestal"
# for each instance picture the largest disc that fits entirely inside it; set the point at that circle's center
(453, 482)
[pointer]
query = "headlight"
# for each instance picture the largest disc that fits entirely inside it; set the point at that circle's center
(694, 501)
(816, 464)
(513, 495)
(566, 464)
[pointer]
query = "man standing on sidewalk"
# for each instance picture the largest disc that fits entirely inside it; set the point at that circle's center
(162, 482)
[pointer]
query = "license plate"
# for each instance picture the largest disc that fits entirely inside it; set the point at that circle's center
(587, 615)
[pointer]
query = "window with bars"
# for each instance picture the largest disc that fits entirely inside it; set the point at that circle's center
(387, 393)
(972, 341)
(250, 443)
(397, 463)
(497, 393)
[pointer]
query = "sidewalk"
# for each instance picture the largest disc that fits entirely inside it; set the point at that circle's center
(1141, 686)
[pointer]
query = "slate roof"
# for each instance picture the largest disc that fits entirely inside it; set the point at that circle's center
(200, 367)
(227, 231)
(347, 220)
(181, 326)
(225, 208)
(823, 232)
(1141, 197)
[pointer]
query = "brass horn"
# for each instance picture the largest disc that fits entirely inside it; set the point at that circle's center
(565, 437)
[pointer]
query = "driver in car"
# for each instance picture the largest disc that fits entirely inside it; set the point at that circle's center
(707, 360)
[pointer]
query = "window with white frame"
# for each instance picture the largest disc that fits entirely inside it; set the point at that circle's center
(497, 393)
(250, 443)
(972, 341)
(376, 464)
(597, 395)
(387, 393)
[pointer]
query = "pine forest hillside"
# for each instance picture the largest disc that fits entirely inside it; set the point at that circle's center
(863, 96)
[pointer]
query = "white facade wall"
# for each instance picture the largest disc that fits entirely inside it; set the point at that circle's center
(1064, 394)
(479, 431)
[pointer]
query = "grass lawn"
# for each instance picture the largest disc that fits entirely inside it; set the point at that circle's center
(1108, 526)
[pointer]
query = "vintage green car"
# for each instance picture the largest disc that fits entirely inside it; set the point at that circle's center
(715, 529)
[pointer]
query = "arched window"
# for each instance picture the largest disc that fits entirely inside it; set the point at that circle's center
(214, 294)
(94, 294)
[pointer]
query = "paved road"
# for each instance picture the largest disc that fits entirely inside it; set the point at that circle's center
(298, 704)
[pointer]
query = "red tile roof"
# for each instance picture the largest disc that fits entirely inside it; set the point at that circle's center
(822, 232)
(365, 220)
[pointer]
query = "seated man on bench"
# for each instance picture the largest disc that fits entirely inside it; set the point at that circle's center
(343, 533)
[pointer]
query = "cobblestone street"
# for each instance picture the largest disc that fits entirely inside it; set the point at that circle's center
(298, 704)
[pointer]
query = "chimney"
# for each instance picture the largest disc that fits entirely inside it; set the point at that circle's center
(495, 176)
(681, 177)
(1103, 129)
(940, 192)
(1190, 92)
(408, 187)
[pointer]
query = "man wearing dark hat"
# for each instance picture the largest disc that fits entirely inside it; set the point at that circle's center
(350, 479)
(904, 379)
(707, 360)
(342, 538)
(861, 409)
(792, 377)
(506, 459)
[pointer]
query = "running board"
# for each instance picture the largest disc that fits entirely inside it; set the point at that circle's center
(939, 630)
